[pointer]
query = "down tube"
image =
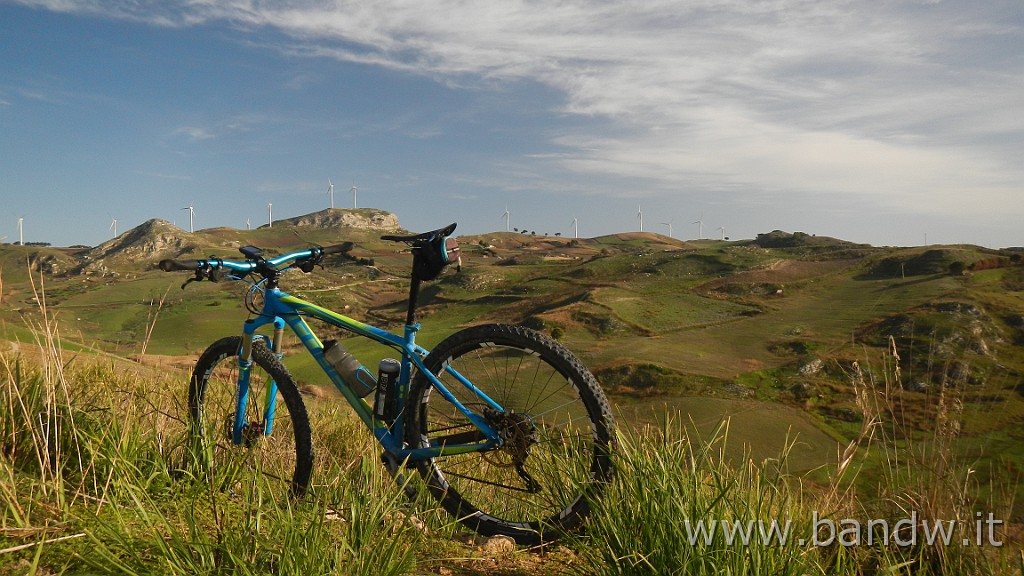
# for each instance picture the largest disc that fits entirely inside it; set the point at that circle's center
(315, 348)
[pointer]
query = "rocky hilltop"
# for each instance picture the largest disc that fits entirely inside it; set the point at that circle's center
(151, 238)
(368, 218)
(155, 239)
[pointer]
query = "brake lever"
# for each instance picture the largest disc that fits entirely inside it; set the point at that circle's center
(211, 274)
(308, 265)
(198, 277)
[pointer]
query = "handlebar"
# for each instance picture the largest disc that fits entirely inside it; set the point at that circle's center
(175, 265)
(311, 256)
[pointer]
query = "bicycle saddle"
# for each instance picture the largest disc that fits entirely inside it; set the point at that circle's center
(424, 237)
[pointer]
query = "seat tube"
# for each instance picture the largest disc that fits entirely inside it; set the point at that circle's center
(401, 387)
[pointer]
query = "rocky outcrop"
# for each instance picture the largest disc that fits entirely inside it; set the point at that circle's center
(148, 240)
(368, 218)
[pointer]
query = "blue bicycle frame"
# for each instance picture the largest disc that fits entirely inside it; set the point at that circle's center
(281, 309)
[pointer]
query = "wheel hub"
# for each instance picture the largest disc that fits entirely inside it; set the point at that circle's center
(518, 435)
(251, 432)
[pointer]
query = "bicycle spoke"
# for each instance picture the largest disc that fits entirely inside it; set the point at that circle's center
(550, 451)
(213, 401)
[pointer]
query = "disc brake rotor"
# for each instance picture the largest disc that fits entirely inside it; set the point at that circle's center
(517, 433)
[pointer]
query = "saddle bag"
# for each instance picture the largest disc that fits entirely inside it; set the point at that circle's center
(432, 257)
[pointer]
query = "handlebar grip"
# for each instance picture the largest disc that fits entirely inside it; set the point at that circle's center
(337, 248)
(173, 265)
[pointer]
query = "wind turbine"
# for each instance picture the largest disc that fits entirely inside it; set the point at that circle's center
(355, 193)
(191, 214)
(248, 226)
(640, 216)
(700, 227)
(669, 224)
(722, 228)
(575, 227)
(330, 190)
(506, 216)
(270, 215)
(113, 226)
(21, 231)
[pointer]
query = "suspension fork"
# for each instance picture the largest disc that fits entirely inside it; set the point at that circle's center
(245, 363)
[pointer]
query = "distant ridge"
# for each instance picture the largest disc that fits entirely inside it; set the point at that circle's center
(156, 238)
(780, 239)
(368, 218)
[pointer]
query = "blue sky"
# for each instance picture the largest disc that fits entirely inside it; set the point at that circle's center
(889, 122)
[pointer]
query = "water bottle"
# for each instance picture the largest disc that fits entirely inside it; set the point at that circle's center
(384, 402)
(352, 372)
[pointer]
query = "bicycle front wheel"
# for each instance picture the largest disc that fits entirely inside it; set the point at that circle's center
(554, 421)
(275, 444)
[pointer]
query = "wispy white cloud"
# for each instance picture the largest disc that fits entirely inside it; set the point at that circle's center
(195, 133)
(165, 176)
(908, 103)
(233, 125)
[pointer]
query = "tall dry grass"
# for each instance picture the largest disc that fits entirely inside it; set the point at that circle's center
(893, 474)
(923, 476)
(98, 475)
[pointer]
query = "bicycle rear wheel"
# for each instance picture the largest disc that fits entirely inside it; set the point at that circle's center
(277, 449)
(555, 422)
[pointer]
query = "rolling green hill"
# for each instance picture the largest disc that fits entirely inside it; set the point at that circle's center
(767, 330)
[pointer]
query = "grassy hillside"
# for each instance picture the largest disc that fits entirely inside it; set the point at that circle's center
(769, 331)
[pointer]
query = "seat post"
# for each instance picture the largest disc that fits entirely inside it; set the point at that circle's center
(414, 292)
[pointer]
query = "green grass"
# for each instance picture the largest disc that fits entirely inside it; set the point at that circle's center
(756, 428)
(667, 311)
(670, 479)
(827, 313)
(667, 483)
(98, 478)
(98, 453)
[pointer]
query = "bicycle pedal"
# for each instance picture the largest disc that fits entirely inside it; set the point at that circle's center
(394, 468)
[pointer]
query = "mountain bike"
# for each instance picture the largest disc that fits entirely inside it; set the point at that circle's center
(506, 427)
